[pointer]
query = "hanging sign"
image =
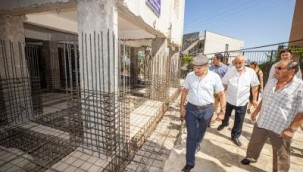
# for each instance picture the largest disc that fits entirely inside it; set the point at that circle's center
(155, 5)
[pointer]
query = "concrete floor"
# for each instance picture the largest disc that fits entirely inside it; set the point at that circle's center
(218, 153)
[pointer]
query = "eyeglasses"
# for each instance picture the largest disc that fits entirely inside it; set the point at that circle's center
(280, 68)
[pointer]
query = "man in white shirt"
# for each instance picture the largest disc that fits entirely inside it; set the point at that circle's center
(237, 82)
(281, 114)
(199, 86)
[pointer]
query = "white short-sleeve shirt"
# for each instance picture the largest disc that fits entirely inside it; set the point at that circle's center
(201, 91)
(238, 86)
(280, 107)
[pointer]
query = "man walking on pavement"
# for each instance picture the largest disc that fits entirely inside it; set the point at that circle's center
(199, 86)
(220, 68)
(237, 82)
(281, 114)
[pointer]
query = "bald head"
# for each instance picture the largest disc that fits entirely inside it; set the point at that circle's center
(240, 58)
(239, 62)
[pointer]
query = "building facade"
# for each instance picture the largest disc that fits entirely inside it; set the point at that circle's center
(296, 33)
(67, 70)
(209, 43)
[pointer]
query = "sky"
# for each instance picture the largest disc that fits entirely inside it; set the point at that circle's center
(257, 22)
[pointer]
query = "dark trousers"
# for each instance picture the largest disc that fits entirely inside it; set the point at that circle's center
(239, 118)
(196, 124)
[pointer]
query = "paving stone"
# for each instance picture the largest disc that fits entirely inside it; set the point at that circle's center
(218, 153)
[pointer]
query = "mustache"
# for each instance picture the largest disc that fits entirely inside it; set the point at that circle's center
(240, 68)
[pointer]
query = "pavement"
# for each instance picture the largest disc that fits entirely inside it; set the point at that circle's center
(218, 153)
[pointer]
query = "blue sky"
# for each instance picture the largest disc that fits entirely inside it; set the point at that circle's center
(257, 22)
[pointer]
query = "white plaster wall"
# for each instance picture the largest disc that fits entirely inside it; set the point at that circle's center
(216, 43)
(178, 24)
(166, 19)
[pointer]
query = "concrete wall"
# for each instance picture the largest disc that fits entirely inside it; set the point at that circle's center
(297, 25)
(13, 4)
(50, 54)
(52, 20)
(15, 83)
(61, 15)
(170, 22)
(17, 7)
(217, 43)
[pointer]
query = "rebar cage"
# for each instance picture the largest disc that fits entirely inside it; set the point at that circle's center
(62, 108)
(54, 104)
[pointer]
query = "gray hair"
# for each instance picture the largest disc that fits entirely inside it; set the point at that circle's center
(293, 65)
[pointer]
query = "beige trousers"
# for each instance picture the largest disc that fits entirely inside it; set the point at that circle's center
(281, 148)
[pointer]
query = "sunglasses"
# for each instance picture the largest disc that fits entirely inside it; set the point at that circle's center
(280, 68)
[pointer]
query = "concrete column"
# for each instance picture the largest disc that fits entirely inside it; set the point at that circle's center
(97, 30)
(159, 70)
(15, 81)
(50, 53)
(160, 56)
(133, 65)
(175, 67)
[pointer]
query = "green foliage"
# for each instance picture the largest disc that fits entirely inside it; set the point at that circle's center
(186, 59)
(296, 49)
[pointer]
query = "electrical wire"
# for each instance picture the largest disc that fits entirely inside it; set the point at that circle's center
(252, 48)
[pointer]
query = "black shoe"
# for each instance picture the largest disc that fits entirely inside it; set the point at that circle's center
(187, 168)
(245, 161)
(237, 142)
(221, 127)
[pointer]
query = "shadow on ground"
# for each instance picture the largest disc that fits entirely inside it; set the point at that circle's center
(227, 158)
(176, 162)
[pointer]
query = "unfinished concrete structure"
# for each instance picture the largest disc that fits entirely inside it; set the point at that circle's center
(83, 83)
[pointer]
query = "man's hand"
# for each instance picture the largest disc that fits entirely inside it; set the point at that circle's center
(255, 103)
(288, 134)
(254, 115)
(182, 111)
(220, 116)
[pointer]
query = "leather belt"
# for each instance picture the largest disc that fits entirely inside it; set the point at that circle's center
(202, 106)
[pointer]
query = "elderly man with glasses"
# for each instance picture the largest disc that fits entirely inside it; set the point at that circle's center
(285, 55)
(280, 114)
(199, 86)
